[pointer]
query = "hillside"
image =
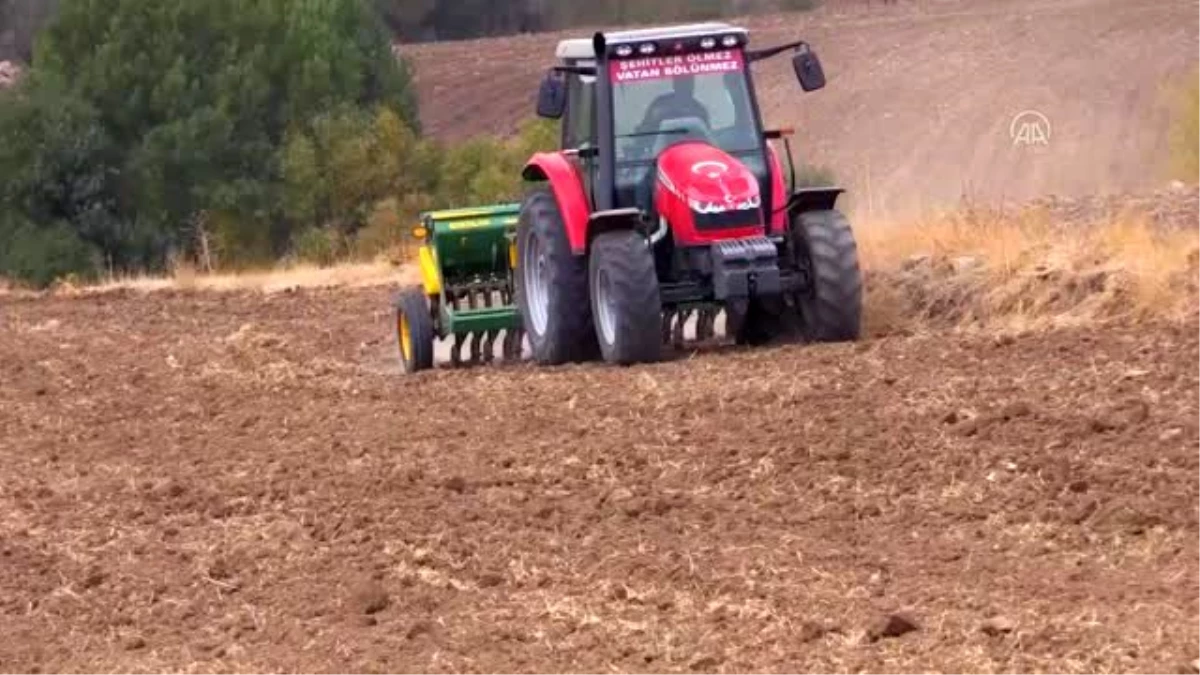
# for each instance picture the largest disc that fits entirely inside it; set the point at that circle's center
(921, 96)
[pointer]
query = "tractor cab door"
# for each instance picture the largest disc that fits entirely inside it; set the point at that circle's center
(579, 131)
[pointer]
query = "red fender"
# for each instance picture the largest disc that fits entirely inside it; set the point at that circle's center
(779, 194)
(567, 186)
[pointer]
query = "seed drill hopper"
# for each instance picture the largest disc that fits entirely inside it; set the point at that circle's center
(466, 260)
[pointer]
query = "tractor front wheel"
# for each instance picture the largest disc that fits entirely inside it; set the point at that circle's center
(414, 330)
(552, 287)
(625, 299)
(831, 308)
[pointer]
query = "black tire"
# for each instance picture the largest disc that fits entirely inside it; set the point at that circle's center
(831, 310)
(625, 299)
(567, 334)
(411, 309)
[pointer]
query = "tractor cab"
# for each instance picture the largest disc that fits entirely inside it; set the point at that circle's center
(627, 97)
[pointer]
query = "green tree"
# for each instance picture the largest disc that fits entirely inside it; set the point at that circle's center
(184, 110)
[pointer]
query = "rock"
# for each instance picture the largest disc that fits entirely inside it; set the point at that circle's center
(892, 626)
(134, 643)
(705, 664)
(456, 484)
(997, 625)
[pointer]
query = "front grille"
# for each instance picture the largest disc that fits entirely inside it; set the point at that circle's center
(727, 219)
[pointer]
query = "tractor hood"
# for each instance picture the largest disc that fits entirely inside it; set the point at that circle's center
(708, 180)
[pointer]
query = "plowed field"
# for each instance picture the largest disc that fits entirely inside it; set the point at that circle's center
(207, 481)
(922, 94)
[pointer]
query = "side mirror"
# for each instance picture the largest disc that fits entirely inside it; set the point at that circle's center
(552, 97)
(808, 69)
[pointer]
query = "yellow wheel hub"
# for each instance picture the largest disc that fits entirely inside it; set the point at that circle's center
(405, 337)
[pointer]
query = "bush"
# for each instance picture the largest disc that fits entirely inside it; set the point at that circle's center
(42, 255)
(478, 172)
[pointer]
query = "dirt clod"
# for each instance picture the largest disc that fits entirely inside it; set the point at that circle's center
(369, 597)
(811, 631)
(997, 625)
(418, 629)
(1015, 410)
(491, 580)
(892, 626)
(1120, 416)
(94, 578)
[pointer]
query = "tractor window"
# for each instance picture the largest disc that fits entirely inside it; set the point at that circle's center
(581, 96)
(658, 102)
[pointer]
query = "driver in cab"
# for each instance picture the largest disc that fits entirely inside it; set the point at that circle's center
(679, 102)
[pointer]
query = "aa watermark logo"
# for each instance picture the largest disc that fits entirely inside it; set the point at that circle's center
(1030, 128)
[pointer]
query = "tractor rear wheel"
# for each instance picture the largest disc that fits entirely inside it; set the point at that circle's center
(831, 308)
(552, 285)
(625, 299)
(414, 330)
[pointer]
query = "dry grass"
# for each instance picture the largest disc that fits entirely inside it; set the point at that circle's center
(345, 275)
(990, 269)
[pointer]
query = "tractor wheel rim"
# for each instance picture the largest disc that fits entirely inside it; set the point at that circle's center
(536, 284)
(405, 337)
(605, 309)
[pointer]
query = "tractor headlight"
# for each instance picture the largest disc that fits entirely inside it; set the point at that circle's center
(647, 49)
(730, 41)
(708, 43)
(624, 50)
(420, 232)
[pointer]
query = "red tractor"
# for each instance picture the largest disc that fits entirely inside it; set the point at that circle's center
(667, 198)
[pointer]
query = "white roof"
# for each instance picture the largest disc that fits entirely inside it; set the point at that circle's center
(582, 48)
